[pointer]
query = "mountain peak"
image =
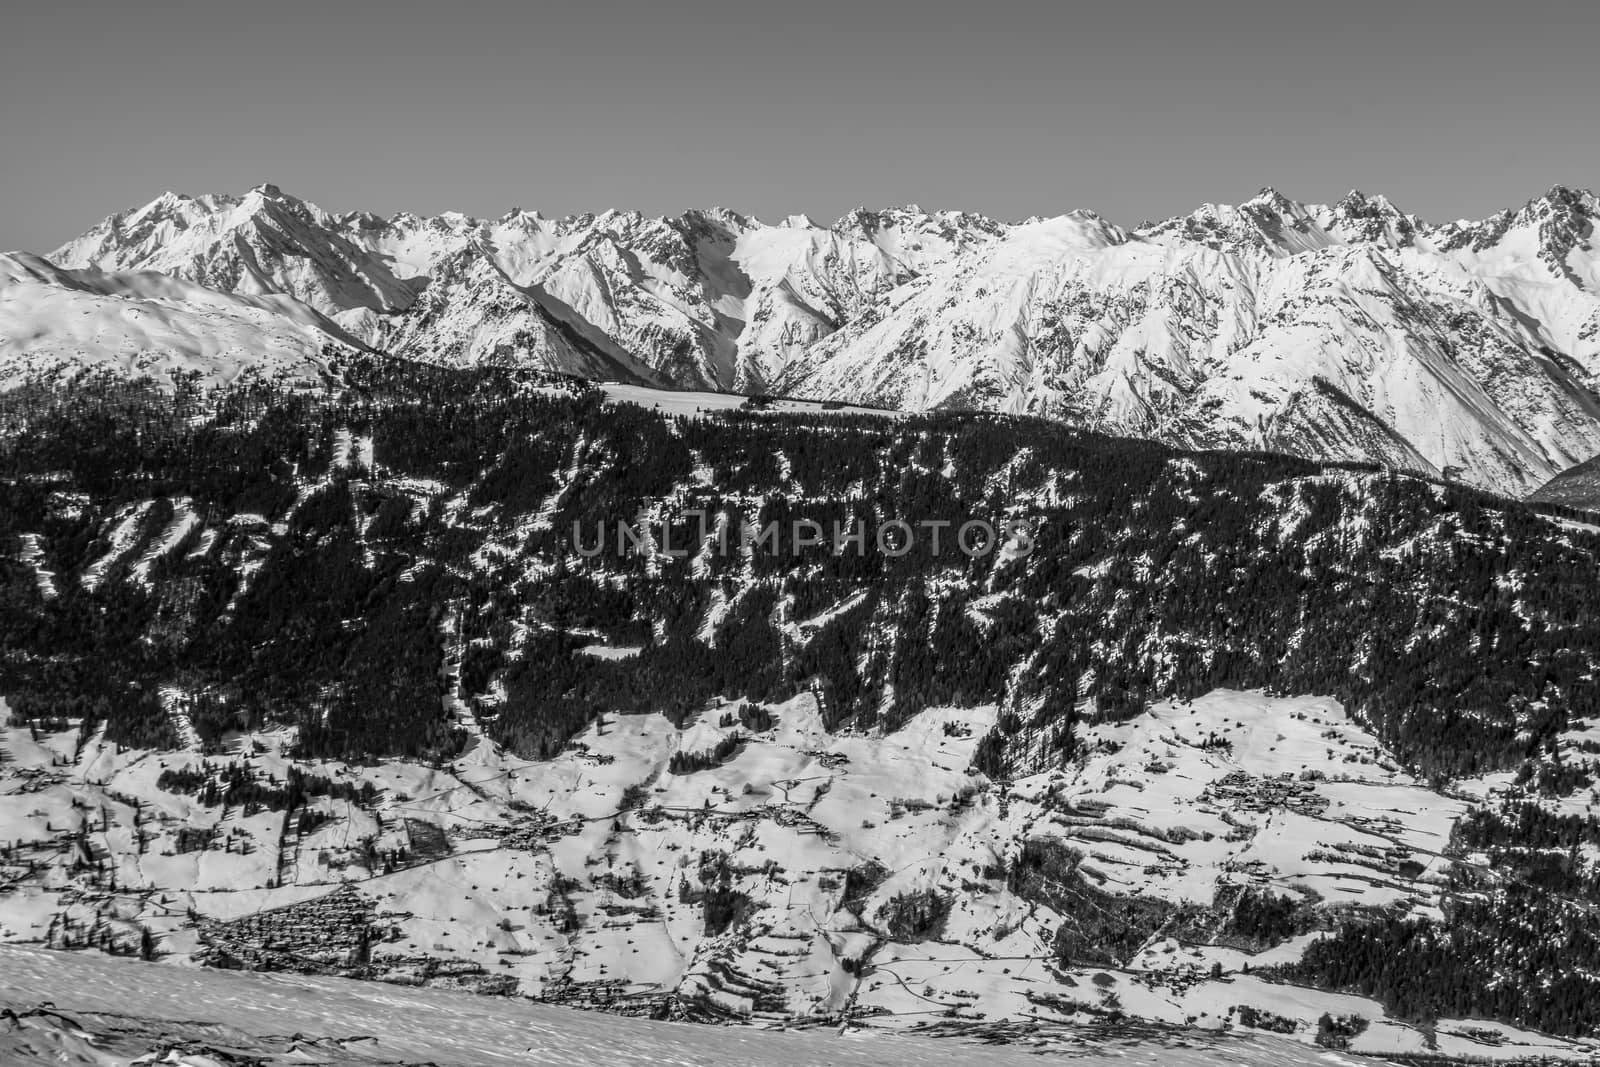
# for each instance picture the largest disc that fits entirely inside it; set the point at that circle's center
(1355, 198)
(1269, 195)
(268, 195)
(1568, 194)
(1359, 218)
(1268, 222)
(720, 215)
(165, 205)
(1562, 200)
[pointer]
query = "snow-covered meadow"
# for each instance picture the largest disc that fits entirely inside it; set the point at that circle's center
(583, 879)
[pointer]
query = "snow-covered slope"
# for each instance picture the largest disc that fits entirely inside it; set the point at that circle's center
(107, 1013)
(1577, 487)
(262, 242)
(1347, 331)
(56, 322)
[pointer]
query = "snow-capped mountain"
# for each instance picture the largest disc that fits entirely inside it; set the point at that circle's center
(708, 299)
(1346, 331)
(1349, 331)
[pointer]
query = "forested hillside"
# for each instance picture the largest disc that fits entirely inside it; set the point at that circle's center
(224, 545)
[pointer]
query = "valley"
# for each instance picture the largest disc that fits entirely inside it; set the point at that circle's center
(318, 683)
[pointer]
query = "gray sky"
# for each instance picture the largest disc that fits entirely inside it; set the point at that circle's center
(1137, 110)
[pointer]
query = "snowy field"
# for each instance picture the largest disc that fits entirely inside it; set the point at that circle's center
(449, 1028)
(686, 402)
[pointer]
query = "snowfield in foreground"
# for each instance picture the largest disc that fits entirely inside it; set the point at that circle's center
(337, 1021)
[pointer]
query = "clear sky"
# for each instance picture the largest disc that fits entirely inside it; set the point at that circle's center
(1136, 110)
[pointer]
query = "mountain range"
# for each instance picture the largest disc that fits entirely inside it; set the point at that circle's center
(1351, 331)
